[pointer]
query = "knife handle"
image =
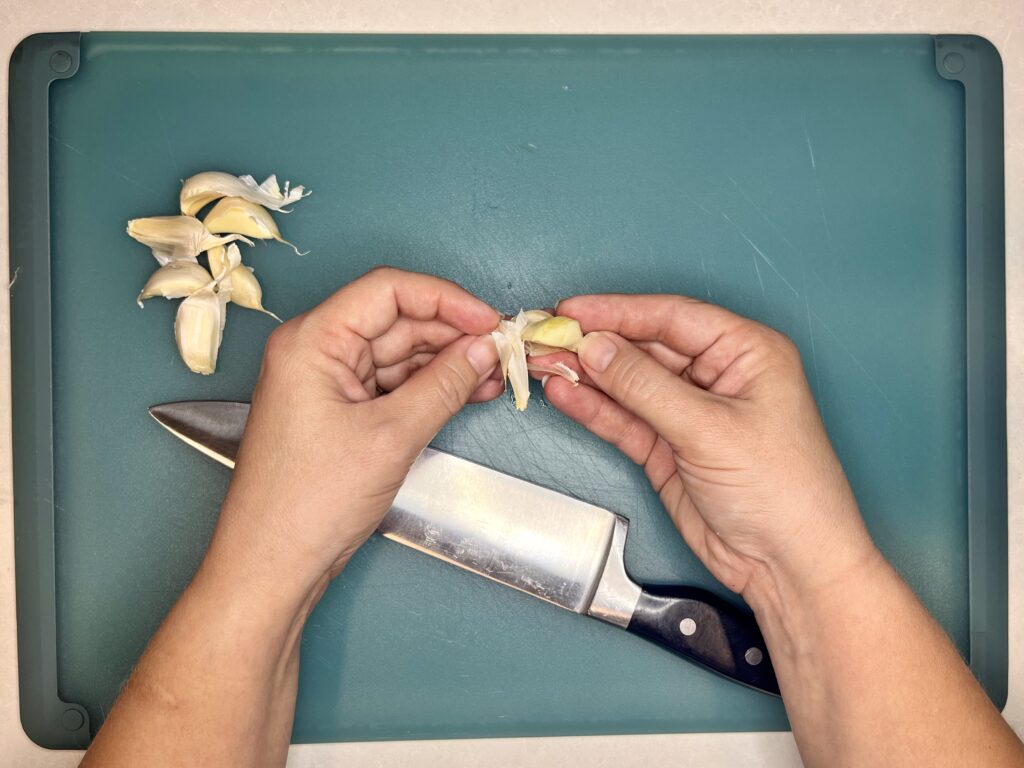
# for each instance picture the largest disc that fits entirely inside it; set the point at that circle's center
(704, 628)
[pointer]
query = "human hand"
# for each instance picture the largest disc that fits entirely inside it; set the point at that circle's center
(717, 410)
(324, 451)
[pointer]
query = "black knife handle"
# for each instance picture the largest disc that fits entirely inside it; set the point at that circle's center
(704, 628)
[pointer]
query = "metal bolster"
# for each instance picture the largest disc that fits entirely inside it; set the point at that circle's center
(617, 594)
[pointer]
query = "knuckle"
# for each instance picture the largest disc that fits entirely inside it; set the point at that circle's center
(281, 341)
(453, 389)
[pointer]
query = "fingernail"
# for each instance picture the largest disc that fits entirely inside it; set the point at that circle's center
(482, 355)
(544, 381)
(596, 351)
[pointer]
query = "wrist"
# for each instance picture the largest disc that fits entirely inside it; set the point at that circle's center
(791, 598)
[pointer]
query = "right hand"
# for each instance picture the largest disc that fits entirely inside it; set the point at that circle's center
(718, 411)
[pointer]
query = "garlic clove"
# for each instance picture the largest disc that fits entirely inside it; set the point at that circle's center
(552, 334)
(247, 292)
(536, 315)
(218, 258)
(234, 214)
(177, 238)
(175, 280)
(203, 188)
(198, 329)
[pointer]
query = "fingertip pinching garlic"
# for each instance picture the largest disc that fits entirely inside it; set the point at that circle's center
(534, 332)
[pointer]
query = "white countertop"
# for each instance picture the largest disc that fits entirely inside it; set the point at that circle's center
(1001, 21)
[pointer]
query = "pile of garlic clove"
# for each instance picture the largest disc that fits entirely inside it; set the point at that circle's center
(177, 242)
(534, 332)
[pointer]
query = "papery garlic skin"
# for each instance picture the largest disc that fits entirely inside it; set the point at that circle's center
(175, 280)
(177, 238)
(198, 329)
(512, 357)
(203, 188)
(234, 214)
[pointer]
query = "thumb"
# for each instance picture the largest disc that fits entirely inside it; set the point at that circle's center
(439, 390)
(639, 383)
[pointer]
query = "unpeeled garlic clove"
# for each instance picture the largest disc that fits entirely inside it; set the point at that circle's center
(198, 329)
(234, 214)
(177, 238)
(203, 188)
(247, 292)
(175, 280)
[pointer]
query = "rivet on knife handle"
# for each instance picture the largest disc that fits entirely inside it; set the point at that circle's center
(705, 628)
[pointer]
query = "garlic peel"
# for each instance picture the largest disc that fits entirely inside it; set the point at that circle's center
(556, 369)
(203, 188)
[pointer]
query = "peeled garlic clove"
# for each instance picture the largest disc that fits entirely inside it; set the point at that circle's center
(175, 280)
(553, 332)
(535, 315)
(234, 214)
(204, 188)
(246, 291)
(198, 329)
(177, 238)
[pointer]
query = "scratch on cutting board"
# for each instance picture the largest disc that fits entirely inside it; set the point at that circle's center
(761, 253)
(814, 357)
(810, 147)
(82, 154)
(859, 364)
(817, 188)
(707, 277)
(768, 220)
(758, 270)
(14, 279)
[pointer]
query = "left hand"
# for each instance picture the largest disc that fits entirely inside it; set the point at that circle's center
(348, 396)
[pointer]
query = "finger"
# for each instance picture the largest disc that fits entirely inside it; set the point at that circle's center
(665, 355)
(541, 365)
(394, 376)
(642, 385)
(407, 337)
(598, 413)
(490, 389)
(370, 305)
(436, 392)
(687, 326)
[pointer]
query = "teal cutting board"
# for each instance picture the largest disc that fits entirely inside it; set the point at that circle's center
(817, 184)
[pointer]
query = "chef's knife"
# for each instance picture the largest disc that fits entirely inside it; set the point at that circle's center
(552, 546)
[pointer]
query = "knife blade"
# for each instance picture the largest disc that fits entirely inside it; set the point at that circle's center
(557, 548)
